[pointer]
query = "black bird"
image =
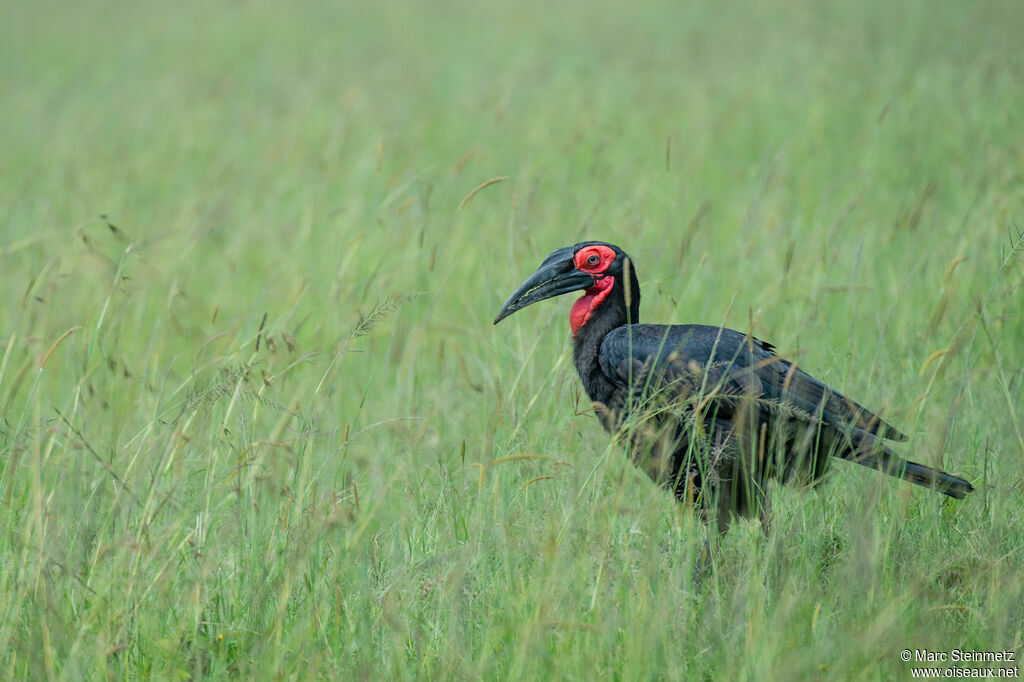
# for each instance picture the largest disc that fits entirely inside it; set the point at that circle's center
(709, 412)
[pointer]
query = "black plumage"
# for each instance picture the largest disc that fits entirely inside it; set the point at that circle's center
(709, 412)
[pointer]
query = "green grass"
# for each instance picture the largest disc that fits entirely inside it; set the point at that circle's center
(184, 495)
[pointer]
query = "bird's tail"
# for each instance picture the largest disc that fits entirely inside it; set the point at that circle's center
(889, 462)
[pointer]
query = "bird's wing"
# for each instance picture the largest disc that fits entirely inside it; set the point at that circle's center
(677, 368)
(788, 383)
(721, 364)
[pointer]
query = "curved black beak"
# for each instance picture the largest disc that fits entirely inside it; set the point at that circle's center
(557, 275)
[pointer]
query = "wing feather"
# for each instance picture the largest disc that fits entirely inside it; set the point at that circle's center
(724, 363)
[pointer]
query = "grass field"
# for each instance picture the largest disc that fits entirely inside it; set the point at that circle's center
(337, 496)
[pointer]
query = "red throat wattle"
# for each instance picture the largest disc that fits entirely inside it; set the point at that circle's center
(584, 306)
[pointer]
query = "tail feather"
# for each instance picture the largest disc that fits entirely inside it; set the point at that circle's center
(887, 461)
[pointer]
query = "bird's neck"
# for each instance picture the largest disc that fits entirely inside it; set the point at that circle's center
(587, 338)
(587, 304)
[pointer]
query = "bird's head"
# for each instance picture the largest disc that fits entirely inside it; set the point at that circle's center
(603, 271)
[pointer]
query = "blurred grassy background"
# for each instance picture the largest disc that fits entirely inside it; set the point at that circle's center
(186, 495)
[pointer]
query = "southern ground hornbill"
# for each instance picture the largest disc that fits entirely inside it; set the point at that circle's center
(709, 412)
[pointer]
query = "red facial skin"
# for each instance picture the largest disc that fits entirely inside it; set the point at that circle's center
(604, 255)
(593, 260)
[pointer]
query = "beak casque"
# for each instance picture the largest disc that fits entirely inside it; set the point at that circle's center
(557, 275)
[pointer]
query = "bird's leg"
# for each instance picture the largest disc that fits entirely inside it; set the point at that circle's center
(695, 500)
(766, 512)
(702, 567)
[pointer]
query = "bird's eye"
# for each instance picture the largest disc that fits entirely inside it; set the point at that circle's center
(593, 259)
